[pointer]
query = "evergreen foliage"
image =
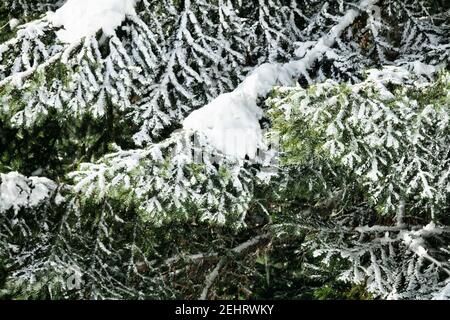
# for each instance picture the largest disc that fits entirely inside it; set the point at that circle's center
(104, 192)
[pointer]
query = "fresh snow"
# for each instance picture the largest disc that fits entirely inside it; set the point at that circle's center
(231, 121)
(13, 23)
(82, 18)
(18, 191)
(303, 48)
(443, 294)
(399, 75)
(382, 77)
(423, 69)
(389, 74)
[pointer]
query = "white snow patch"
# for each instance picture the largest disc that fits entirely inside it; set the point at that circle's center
(18, 191)
(82, 18)
(13, 23)
(231, 121)
(389, 74)
(444, 293)
(423, 69)
(386, 75)
(303, 48)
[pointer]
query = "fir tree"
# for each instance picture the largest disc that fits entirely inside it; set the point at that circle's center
(121, 176)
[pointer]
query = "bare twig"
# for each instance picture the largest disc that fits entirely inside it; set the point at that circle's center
(210, 279)
(238, 249)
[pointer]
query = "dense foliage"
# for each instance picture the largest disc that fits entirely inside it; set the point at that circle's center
(373, 162)
(105, 194)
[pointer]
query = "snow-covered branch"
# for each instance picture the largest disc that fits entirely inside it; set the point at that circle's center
(231, 121)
